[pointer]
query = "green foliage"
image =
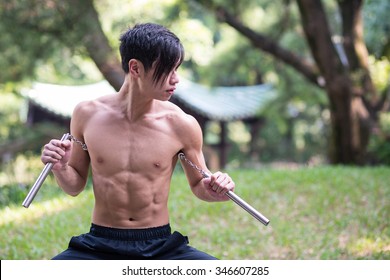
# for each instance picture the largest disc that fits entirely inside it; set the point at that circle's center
(24, 45)
(377, 27)
(297, 122)
(380, 72)
(379, 148)
(18, 175)
(11, 123)
(11, 194)
(46, 37)
(316, 213)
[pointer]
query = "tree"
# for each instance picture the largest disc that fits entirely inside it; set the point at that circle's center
(45, 27)
(344, 75)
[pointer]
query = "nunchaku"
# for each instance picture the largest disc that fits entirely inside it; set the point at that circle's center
(41, 178)
(234, 197)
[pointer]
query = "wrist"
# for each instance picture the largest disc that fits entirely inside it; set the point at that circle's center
(60, 167)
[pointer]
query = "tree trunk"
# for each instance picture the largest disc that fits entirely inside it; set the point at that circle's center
(349, 117)
(97, 45)
(350, 127)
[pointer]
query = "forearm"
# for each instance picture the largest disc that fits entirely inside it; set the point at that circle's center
(204, 192)
(69, 180)
(201, 193)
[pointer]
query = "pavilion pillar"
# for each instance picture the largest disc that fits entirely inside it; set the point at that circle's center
(223, 144)
(255, 125)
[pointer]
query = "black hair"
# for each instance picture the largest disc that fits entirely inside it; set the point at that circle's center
(151, 43)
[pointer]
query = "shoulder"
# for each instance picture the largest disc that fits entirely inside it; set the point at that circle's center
(186, 127)
(181, 119)
(87, 108)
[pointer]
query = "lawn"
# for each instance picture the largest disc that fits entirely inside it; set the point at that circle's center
(316, 213)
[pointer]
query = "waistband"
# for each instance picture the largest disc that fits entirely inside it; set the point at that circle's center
(131, 234)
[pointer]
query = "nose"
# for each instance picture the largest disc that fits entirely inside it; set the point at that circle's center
(174, 79)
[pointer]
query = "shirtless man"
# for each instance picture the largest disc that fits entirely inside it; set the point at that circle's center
(133, 139)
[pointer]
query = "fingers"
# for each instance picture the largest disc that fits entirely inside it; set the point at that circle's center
(221, 183)
(55, 150)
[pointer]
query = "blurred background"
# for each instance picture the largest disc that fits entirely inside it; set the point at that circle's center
(304, 85)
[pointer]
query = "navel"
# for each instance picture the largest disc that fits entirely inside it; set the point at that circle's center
(157, 165)
(131, 219)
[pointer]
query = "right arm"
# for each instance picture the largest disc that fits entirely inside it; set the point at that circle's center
(70, 161)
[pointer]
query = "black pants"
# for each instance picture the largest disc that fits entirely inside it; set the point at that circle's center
(102, 243)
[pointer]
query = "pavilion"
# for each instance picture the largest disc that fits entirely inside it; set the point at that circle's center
(55, 103)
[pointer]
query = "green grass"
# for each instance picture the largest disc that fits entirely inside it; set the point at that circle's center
(315, 213)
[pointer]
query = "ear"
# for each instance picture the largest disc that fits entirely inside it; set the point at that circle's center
(134, 67)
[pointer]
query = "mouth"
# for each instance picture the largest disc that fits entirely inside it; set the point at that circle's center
(171, 91)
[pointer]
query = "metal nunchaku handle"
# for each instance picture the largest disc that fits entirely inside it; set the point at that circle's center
(235, 198)
(41, 178)
(247, 207)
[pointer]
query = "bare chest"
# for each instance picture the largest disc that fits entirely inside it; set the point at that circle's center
(116, 146)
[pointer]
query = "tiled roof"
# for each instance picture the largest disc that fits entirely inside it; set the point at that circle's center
(62, 99)
(217, 103)
(225, 103)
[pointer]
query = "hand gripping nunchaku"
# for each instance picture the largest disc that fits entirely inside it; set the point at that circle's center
(234, 197)
(41, 178)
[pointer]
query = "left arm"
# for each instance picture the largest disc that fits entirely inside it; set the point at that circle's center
(218, 184)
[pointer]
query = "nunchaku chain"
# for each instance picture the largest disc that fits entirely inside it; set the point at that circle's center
(83, 145)
(234, 197)
(193, 165)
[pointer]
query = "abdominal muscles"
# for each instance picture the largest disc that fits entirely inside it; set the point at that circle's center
(130, 201)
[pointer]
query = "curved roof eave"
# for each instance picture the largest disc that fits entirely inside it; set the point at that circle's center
(217, 103)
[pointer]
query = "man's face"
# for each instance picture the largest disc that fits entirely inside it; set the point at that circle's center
(162, 89)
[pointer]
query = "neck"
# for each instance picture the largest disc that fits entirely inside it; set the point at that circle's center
(133, 103)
